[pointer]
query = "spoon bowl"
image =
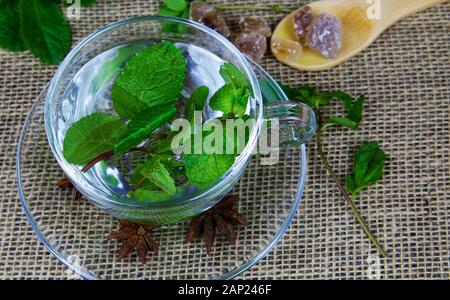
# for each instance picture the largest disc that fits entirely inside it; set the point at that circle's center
(362, 24)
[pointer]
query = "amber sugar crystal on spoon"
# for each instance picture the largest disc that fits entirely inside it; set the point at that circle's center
(314, 34)
(309, 38)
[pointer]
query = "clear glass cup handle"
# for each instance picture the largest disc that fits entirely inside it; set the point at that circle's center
(297, 121)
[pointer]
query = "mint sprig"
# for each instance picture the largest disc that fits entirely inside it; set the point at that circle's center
(145, 96)
(232, 98)
(36, 25)
(92, 136)
(155, 76)
(369, 160)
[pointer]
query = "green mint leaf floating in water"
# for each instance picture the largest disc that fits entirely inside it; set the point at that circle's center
(196, 102)
(91, 136)
(228, 101)
(368, 168)
(143, 125)
(155, 76)
(204, 168)
(45, 31)
(354, 116)
(232, 98)
(156, 173)
(139, 181)
(10, 30)
(232, 75)
(145, 195)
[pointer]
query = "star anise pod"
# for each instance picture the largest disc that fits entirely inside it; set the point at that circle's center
(219, 219)
(135, 236)
(64, 182)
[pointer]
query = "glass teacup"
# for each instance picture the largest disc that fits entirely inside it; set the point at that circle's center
(82, 85)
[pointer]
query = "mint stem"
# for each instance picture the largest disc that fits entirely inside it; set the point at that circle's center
(96, 160)
(349, 200)
(138, 185)
(275, 8)
(110, 154)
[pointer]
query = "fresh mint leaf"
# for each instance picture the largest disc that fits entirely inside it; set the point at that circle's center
(114, 64)
(233, 76)
(143, 125)
(356, 110)
(164, 144)
(138, 180)
(354, 115)
(164, 11)
(155, 76)
(202, 170)
(223, 99)
(320, 100)
(10, 30)
(174, 8)
(291, 93)
(151, 196)
(45, 31)
(232, 98)
(368, 168)
(167, 12)
(169, 160)
(176, 5)
(230, 101)
(345, 98)
(196, 102)
(307, 94)
(342, 121)
(156, 173)
(91, 136)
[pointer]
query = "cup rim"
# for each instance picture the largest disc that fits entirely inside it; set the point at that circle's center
(241, 161)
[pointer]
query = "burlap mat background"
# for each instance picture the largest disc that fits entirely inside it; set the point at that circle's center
(406, 76)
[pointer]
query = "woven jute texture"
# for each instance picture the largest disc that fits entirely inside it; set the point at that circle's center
(405, 75)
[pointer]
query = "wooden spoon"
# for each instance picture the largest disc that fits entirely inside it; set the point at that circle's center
(358, 31)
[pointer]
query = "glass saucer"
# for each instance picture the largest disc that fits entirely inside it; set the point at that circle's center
(76, 232)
